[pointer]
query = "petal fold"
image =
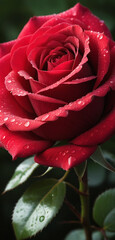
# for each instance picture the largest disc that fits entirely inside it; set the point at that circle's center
(65, 157)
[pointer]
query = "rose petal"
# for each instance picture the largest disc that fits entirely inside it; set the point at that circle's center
(78, 88)
(99, 54)
(33, 24)
(22, 144)
(85, 16)
(5, 48)
(40, 103)
(24, 64)
(11, 113)
(65, 157)
(99, 133)
(69, 124)
(7, 102)
(20, 43)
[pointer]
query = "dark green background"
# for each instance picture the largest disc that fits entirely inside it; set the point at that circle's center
(13, 16)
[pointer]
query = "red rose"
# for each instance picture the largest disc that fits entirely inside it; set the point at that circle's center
(57, 82)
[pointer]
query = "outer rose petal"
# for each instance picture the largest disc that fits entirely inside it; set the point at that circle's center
(78, 11)
(99, 133)
(65, 157)
(22, 144)
(1, 145)
(85, 16)
(6, 47)
(33, 24)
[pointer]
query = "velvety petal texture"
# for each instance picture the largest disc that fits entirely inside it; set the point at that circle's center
(57, 82)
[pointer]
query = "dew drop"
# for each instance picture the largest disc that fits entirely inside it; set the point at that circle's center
(3, 137)
(45, 117)
(111, 82)
(74, 13)
(26, 147)
(57, 159)
(73, 151)
(5, 119)
(27, 124)
(9, 81)
(100, 37)
(41, 218)
(63, 154)
(69, 160)
(79, 102)
(12, 120)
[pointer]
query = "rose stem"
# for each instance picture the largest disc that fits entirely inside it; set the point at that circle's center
(85, 219)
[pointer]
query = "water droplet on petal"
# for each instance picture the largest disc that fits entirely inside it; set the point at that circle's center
(5, 119)
(69, 160)
(63, 154)
(26, 147)
(45, 117)
(79, 102)
(9, 81)
(27, 124)
(12, 120)
(100, 37)
(73, 151)
(3, 137)
(74, 13)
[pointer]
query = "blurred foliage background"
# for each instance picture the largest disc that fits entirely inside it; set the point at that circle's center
(13, 16)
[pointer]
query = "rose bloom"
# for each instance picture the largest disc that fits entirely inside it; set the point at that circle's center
(57, 82)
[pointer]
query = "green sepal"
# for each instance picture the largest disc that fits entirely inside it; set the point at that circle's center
(98, 157)
(80, 169)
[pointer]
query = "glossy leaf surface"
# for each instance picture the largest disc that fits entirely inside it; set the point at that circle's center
(22, 173)
(36, 208)
(104, 204)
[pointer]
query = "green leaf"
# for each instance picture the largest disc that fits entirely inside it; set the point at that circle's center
(98, 157)
(80, 235)
(37, 207)
(95, 179)
(103, 206)
(109, 222)
(110, 235)
(80, 169)
(22, 173)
